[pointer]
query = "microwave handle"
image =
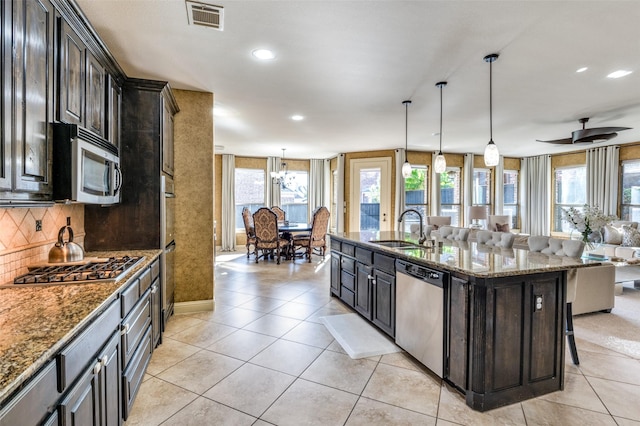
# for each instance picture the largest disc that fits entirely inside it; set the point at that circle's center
(118, 180)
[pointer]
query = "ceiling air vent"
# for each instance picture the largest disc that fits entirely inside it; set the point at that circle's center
(206, 15)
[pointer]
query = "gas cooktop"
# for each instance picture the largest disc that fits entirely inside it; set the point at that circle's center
(111, 269)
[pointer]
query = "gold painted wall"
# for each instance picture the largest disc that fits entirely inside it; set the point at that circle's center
(630, 152)
(194, 184)
(569, 159)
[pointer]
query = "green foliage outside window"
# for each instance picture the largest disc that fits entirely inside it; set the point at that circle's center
(415, 181)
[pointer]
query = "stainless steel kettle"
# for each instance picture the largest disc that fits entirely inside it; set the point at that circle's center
(65, 251)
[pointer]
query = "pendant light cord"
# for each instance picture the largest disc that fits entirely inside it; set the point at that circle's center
(406, 127)
(491, 100)
(441, 85)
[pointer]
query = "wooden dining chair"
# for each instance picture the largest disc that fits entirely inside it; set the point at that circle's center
(280, 213)
(268, 239)
(317, 238)
(247, 218)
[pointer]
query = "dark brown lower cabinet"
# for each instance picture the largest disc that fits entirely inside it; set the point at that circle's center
(95, 398)
(335, 273)
(134, 373)
(384, 301)
(364, 286)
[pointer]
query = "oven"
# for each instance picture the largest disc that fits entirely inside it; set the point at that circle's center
(168, 245)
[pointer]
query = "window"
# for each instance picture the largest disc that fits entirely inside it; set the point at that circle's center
(416, 195)
(293, 196)
(482, 190)
(630, 203)
(249, 192)
(510, 196)
(450, 194)
(570, 191)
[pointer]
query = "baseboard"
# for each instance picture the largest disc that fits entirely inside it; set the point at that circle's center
(193, 306)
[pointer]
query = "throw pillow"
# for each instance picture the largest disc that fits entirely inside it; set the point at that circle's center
(630, 236)
(502, 227)
(612, 235)
(434, 227)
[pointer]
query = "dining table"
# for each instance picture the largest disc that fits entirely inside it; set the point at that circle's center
(287, 230)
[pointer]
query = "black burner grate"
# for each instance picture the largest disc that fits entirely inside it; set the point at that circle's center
(111, 269)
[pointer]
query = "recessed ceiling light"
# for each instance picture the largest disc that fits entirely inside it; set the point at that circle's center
(435, 134)
(583, 69)
(619, 73)
(264, 54)
(297, 117)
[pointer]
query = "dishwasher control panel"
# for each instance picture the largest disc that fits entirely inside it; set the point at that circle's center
(418, 271)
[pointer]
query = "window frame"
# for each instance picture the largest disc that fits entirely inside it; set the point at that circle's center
(564, 227)
(515, 218)
(421, 207)
(455, 219)
(287, 206)
(625, 207)
(252, 206)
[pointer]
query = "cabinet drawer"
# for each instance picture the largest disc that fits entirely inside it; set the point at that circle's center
(348, 280)
(348, 265)
(145, 280)
(155, 269)
(74, 358)
(134, 326)
(335, 245)
(134, 373)
(35, 401)
(348, 249)
(348, 297)
(364, 255)
(384, 263)
(129, 297)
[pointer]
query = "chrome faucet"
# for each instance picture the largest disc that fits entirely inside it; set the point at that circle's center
(422, 237)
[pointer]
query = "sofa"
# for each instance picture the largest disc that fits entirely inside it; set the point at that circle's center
(621, 241)
(589, 289)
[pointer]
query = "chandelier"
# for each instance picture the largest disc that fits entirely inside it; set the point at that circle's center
(279, 177)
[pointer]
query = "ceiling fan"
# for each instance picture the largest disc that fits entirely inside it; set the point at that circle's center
(597, 134)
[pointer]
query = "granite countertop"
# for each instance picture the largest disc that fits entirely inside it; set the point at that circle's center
(468, 258)
(36, 321)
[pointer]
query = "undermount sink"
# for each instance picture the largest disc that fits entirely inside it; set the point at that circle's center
(398, 244)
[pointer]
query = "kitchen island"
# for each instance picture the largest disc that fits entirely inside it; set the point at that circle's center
(503, 309)
(40, 324)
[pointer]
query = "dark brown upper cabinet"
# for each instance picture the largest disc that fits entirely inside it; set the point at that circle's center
(71, 76)
(82, 83)
(29, 97)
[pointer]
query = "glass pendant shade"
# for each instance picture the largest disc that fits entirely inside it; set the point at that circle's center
(440, 164)
(406, 169)
(491, 155)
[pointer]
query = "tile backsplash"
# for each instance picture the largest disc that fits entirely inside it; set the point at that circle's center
(21, 245)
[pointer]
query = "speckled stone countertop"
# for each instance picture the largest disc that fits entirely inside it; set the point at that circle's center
(36, 321)
(468, 258)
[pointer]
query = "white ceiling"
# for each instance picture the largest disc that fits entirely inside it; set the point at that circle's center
(348, 65)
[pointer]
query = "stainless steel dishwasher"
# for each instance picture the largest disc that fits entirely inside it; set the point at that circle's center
(420, 313)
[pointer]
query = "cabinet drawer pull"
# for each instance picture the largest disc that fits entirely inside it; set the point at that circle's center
(369, 277)
(154, 289)
(125, 329)
(97, 367)
(104, 360)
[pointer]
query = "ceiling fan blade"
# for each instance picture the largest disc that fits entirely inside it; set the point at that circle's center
(558, 141)
(596, 134)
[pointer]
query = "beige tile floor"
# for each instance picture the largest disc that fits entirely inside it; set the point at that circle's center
(263, 358)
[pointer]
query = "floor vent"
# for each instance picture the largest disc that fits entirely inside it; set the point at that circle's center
(206, 15)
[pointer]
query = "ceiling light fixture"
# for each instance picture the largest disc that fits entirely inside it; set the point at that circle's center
(491, 153)
(297, 117)
(583, 69)
(619, 73)
(440, 164)
(264, 54)
(406, 167)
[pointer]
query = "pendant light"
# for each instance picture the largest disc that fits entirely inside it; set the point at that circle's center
(491, 154)
(440, 164)
(406, 167)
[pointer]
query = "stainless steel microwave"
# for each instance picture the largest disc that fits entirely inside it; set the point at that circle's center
(86, 168)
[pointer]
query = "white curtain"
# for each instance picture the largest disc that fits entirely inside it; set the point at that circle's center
(602, 178)
(228, 203)
(535, 193)
(340, 196)
(273, 189)
(467, 191)
(498, 199)
(400, 196)
(318, 184)
(435, 188)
